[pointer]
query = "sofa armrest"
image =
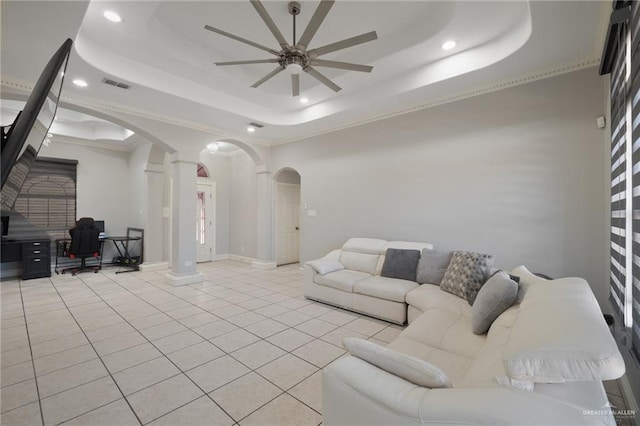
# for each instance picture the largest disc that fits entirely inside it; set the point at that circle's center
(358, 393)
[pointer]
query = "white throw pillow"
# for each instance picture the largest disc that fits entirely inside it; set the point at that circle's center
(329, 263)
(411, 369)
(527, 279)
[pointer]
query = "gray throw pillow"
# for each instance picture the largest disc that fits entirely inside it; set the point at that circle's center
(466, 273)
(400, 263)
(432, 266)
(495, 297)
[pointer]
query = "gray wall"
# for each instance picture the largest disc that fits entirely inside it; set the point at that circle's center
(519, 173)
(243, 206)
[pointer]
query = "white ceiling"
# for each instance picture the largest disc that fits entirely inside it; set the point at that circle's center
(162, 50)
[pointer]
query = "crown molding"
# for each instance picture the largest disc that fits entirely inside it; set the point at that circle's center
(93, 144)
(457, 97)
(136, 112)
(220, 134)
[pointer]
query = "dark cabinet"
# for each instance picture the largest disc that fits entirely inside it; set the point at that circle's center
(36, 259)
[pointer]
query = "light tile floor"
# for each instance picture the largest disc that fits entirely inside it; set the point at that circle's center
(244, 347)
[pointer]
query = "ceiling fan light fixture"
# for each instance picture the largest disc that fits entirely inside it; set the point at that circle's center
(294, 68)
(448, 45)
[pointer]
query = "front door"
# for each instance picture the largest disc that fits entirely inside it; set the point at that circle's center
(204, 223)
(288, 205)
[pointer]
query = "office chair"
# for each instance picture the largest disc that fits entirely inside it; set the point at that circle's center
(85, 243)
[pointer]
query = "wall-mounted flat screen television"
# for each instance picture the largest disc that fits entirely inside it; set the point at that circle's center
(21, 140)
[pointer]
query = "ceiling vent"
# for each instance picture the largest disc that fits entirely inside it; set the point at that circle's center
(115, 83)
(256, 125)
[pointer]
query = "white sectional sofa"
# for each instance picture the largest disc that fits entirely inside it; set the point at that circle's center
(542, 361)
(359, 286)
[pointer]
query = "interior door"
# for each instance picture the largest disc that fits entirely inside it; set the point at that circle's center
(288, 204)
(204, 223)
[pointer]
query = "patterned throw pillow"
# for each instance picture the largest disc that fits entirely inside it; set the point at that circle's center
(467, 272)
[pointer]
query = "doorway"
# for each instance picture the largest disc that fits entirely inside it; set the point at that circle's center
(287, 217)
(205, 221)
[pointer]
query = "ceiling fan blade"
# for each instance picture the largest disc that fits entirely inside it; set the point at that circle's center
(269, 22)
(322, 79)
(240, 39)
(316, 20)
(268, 76)
(295, 84)
(256, 61)
(342, 44)
(341, 65)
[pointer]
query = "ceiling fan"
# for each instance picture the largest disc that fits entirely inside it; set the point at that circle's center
(296, 57)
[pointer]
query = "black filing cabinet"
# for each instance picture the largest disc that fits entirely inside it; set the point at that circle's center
(36, 258)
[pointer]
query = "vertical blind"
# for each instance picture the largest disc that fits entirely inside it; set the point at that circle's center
(634, 93)
(625, 177)
(618, 180)
(48, 196)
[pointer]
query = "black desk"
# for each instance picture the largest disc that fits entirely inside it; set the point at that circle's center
(126, 259)
(34, 254)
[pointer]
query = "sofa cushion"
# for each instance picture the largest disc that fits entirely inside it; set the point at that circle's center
(385, 288)
(362, 262)
(414, 370)
(495, 297)
(560, 335)
(466, 273)
(364, 245)
(401, 264)
(432, 266)
(341, 280)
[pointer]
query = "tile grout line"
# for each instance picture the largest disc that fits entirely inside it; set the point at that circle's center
(33, 365)
(99, 357)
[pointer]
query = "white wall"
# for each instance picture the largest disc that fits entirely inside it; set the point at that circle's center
(519, 173)
(138, 186)
(243, 206)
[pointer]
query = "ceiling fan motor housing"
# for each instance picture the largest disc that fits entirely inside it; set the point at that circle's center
(294, 8)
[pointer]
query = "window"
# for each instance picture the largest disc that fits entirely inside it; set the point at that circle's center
(48, 196)
(624, 42)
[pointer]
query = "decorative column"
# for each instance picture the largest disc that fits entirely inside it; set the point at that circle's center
(183, 220)
(265, 259)
(153, 220)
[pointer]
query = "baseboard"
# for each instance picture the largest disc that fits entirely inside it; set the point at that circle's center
(630, 400)
(180, 280)
(260, 264)
(218, 257)
(155, 266)
(242, 259)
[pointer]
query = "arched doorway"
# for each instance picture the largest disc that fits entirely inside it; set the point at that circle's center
(287, 211)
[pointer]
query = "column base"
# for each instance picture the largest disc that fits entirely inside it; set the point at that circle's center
(180, 280)
(261, 264)
(154, 266)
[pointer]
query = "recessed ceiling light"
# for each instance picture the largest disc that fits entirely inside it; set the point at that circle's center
(80, 83)
(112, 16)
(212, 147)
(304, 100)
(251, 129)
(448, 45)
